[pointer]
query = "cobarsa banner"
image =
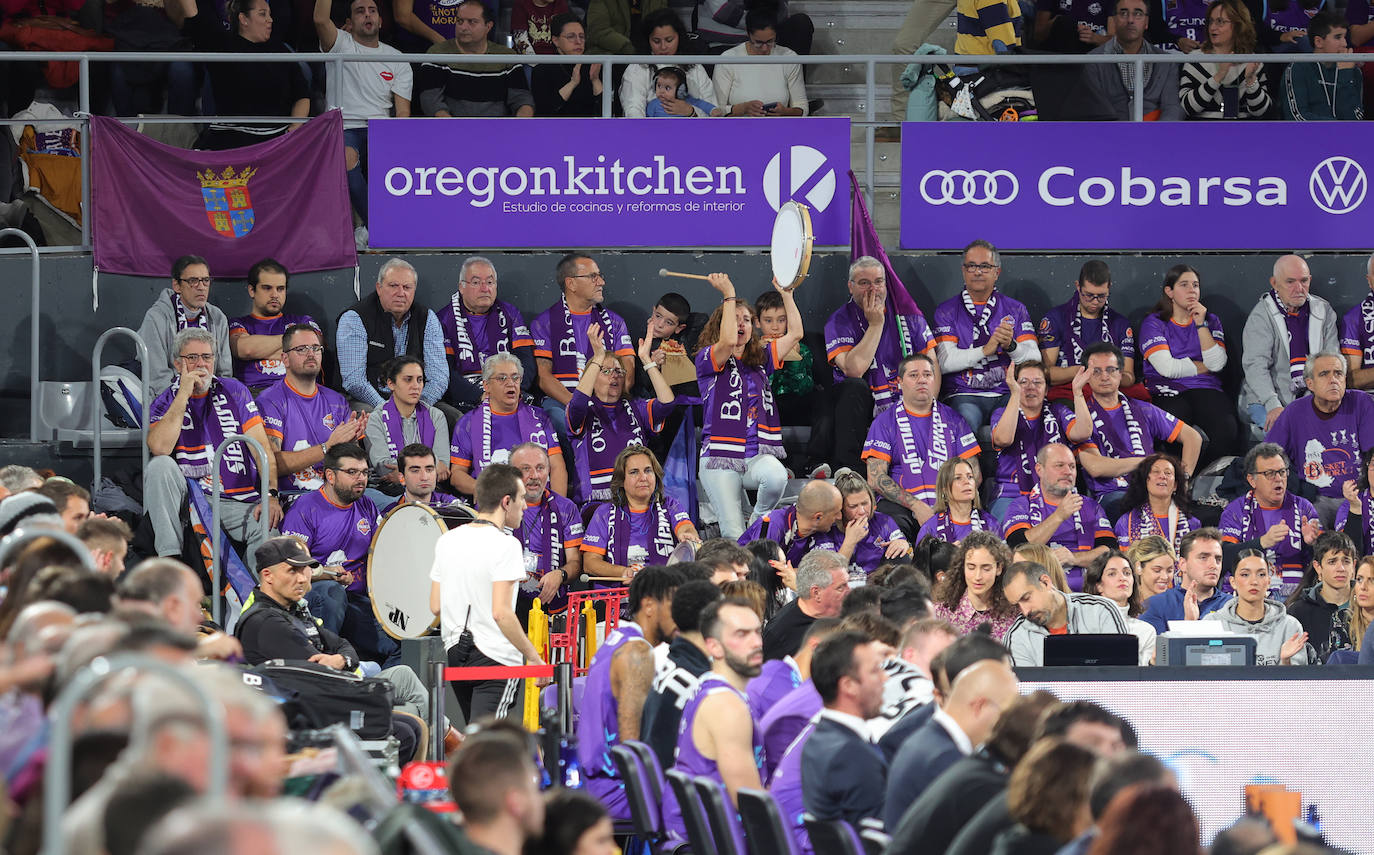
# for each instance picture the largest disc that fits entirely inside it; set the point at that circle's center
(1125, 185)
(436, 183)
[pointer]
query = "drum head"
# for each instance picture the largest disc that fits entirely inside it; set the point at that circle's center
(790, 253)
(398, 565)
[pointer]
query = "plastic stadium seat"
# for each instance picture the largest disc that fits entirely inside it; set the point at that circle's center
(763, 824)
(693, 814)
(645, 800)
(725, 827)
(833, 836)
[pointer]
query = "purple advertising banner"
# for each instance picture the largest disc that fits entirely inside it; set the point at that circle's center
(1138, 186)
(602, 182)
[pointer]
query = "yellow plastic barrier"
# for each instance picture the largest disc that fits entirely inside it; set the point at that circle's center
(539, 637)
(589, 628)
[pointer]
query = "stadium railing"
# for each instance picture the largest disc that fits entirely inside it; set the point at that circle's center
(869, 122)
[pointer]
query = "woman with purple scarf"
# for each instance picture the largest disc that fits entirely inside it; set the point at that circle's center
(602, 419)
(640, 525)
(957, 508)
(741, 437)
(870, 537)
(403, 419)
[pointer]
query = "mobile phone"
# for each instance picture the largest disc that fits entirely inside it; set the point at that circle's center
(770, 107)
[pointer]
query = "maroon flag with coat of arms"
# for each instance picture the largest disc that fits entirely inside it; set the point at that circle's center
(286, 198)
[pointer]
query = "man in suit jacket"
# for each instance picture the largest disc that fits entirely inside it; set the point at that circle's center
(843, 773)
(931, 822)
(976, 699)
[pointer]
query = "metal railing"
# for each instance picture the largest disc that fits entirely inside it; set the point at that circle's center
(145, 399)
(216, 530)
(21, 536)
(57, 777)
(869, 122)
(33, 324)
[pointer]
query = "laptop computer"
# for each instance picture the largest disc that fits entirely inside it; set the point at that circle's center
(1108, 649)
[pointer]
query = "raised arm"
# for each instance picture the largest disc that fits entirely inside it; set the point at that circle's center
(663, 393)
(324, 27)
(795, 331)
(728, 339)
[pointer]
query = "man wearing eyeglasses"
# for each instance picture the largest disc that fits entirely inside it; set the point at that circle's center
(304, 419)
(184, 305)
(255, 338)
(476, 325)
(561, 350)
(1124, 431)
(336, 522)
(186, 424)
(503, 421)
(1114, 83)
(1068, 330)
(1271, 518)
(979, 333)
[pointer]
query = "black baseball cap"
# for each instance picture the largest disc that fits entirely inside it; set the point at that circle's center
(284, 548)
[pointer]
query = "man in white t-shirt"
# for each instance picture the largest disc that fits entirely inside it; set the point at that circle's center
(363, 90)
(477, 571)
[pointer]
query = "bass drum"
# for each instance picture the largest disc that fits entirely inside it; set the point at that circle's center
(399, 561)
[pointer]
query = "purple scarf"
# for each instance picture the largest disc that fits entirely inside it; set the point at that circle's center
(609, 429)
(1111, 442)
(392, 422)
(196, 464)
(1142, 523)
(1250, 529)
(467, 358)
(727, 418)
(202, 321)
(479, 431)
(660, 544)
(946, 530)
(564, 332)
(548, 516)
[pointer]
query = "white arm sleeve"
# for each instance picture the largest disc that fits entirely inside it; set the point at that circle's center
(1215, 358)
(1173, 367)
(635, 89)
(1025, 351)
(953, 358)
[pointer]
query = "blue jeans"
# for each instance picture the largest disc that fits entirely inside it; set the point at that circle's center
(360, 627)
(999, 508)
(356, 139)
(976, 410)
(725, 487)
(328, 601)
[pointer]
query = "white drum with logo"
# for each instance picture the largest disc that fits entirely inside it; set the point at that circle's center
(790, 251)
(399, 561)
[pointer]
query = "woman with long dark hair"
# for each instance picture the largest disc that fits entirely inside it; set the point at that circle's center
(1112, 576)
(1156, 502)
(970, 594)
(1224, 90)
(741, 437)
(640, 525)
(667, 38)
(770, 568)
(1185, 349)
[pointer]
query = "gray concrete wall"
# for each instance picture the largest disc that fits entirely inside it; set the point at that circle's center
(69, 326)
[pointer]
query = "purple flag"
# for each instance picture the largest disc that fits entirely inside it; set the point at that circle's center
(863, 240)
(286, 198)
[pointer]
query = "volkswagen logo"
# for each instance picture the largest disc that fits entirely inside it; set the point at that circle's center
(1338, 185)
(969, 187)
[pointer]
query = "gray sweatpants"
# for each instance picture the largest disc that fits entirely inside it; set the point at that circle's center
(924, 17)
(164, 495)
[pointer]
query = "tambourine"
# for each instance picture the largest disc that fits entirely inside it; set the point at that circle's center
(790, 252)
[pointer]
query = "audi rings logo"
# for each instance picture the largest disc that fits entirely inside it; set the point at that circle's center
(1338, 185)
(969, 187)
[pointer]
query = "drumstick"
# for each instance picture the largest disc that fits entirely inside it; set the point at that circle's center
(586, 578)
(663, 271)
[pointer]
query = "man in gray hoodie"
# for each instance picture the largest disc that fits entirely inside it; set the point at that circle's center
(1279, 637)
(1046, 610)
(1287, 325)
(185, 304)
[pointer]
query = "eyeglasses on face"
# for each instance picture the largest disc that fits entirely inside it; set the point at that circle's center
(979, 268)
(196, 281)
(304, 349)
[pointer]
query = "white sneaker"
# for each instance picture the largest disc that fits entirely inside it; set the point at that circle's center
(360, 238)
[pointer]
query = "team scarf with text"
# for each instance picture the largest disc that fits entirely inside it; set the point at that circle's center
(196, 464)
(1076, 333)
(479, 430)
(184, 320)
(729, 433)
(660, 544)
(1250, 525)
(1142, 522)
(945, 528)
(468, 359)
(566, 331)
(394, 425)
(1111, 443)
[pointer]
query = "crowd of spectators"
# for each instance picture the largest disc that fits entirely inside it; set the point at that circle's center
(876, 618)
